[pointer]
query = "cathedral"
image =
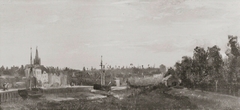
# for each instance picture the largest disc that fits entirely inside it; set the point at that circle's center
(41, 75)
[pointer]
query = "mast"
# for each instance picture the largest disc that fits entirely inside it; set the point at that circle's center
(102, 73)
(101, 64)
(31, 56)
(30, 72)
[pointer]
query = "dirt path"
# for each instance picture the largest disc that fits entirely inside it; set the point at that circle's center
(209, 100)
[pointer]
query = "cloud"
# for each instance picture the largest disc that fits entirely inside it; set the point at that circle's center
(146, 31)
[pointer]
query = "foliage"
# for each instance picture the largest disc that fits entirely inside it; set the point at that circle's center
(206, 68)
(169, 72)
(183, 70)
(215, 62)
(201, 69)
(163, 69)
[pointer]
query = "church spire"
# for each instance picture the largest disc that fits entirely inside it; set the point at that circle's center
(36, 56)
(37, 60)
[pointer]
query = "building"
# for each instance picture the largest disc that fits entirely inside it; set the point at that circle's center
(171, 80)
(44, 77)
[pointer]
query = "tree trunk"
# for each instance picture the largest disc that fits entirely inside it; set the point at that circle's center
(230, 92)
(216, 84)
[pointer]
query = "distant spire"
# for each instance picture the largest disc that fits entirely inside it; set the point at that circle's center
(37, 60)
(36, 56)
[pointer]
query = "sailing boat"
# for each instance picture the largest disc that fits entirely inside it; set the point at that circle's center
(102, 86)
(31, 91)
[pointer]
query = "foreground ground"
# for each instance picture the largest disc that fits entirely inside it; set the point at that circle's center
(209, 100)
(131, 99)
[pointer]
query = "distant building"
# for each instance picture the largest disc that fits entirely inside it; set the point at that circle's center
(54, 79)
(38, 70)
(171, 80)
(44, 77)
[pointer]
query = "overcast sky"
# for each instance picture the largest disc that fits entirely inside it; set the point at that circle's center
(75, 33)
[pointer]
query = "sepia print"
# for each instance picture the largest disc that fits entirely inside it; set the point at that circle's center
(119, 54)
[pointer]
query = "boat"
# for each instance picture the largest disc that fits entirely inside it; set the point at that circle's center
(35, 92)
(31, 90)
(102, 86)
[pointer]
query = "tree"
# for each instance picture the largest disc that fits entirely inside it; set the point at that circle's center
(199, 65)
(2, 68)
(6, 68)
(215, 63)
(233, 54)
(163, 69)
(178, 69)
(183, 70)
(225, 71)
(170, 72)
(6, 72)
(84, 69)
(21, 71)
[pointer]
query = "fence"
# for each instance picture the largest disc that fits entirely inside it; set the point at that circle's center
(7, 96)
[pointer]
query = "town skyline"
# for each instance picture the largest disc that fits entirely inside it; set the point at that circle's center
(76, 34)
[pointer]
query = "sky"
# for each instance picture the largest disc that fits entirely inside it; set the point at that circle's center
(75, 33)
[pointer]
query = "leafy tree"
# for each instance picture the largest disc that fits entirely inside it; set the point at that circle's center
(6, 72)
(226, 70)
(183, 70)
(215, 63)
(199, 65)
(170, 72)
(233, 54)
(6, 68)
(84, 69)
(2, 68)
(178, 69)
(163, 69)
(21, 71)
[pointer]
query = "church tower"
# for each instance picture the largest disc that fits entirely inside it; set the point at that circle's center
(37, 60)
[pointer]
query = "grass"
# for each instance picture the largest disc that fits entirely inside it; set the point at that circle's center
(147, 100)
(209, 100)
(133, 99)
(152, 100)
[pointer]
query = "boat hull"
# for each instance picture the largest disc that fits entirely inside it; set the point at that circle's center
(34, 93)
